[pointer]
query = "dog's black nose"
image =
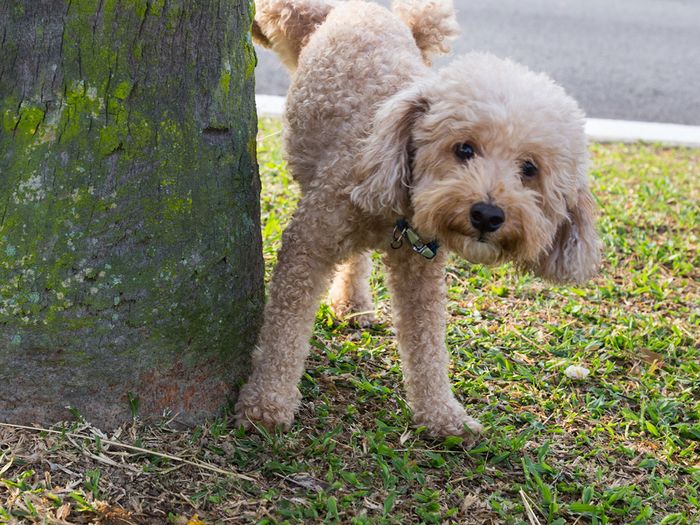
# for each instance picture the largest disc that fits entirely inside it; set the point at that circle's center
(486, 218)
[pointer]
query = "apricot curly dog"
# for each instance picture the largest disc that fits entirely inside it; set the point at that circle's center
(483, 158)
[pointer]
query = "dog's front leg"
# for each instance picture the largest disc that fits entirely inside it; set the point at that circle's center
(418, 293)
(309, 252)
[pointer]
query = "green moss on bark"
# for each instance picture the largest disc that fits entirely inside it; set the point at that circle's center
(129, 237)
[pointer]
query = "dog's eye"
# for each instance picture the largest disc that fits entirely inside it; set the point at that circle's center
(528, 170)
(464, 151)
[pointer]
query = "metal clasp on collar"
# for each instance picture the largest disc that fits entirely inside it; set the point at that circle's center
(402, 230)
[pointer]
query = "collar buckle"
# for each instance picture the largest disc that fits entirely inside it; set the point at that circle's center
(402, 230)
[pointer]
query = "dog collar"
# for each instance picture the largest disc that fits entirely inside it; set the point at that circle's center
(403, 230)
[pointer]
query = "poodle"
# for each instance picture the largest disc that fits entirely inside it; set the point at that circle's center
(482, 158)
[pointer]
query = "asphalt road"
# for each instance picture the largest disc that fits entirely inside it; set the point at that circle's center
(621, 59)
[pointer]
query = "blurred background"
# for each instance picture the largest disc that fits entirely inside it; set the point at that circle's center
(621, 59)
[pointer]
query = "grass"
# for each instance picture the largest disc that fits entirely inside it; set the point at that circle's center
(622, 446)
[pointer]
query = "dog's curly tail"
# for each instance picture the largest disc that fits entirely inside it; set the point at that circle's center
(286, 25)
(432, 23)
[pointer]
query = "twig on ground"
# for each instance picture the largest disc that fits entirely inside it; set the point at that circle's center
(199, 464)
(528, 509)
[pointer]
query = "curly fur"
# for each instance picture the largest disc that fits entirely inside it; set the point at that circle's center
(370, 136)
(432, 24)
(285, 27)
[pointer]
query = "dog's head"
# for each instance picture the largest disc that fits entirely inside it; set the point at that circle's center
(491, 159)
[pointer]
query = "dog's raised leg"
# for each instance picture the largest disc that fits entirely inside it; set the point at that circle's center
(350, 295)
(305, 262)
(418, 292)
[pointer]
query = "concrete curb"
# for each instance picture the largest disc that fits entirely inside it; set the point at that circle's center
(270, 105)
(603, 130)
(599, 130)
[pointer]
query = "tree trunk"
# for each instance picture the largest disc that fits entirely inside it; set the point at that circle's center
(130, 257)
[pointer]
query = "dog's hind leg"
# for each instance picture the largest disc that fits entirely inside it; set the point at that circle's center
(350, 294)
(305, 263)
(286, 25)
(419, 294)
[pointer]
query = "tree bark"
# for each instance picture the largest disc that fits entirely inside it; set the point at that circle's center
(130, 251)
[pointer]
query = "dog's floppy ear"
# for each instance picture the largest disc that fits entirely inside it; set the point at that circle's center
(574, 256)
(384, 165)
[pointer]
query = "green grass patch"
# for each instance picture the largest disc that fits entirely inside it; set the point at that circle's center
(621, 446)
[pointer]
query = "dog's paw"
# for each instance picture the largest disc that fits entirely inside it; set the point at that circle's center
(269, 409)
(361, 319)
(449, 418)
(358, 316)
